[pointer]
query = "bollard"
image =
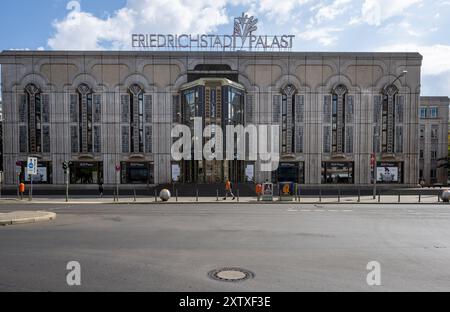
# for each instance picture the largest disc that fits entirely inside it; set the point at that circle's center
(217, 194)
(176, 195)
(339, 195)
(320, 195)
(420, 197)
(299, 195)
(399, 198)
(196, 193)
(379, 196)
(359, 195)
(134, 193)
(238, 195)
(439, 198)
(156, 196)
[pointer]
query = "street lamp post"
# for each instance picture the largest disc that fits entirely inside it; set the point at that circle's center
(374, 164)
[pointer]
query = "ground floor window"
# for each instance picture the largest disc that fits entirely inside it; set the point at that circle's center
(389, 172)
(43, 176)
(214, 171)
(137, 173)
(289, 172)
(86, 172)
(337, 172)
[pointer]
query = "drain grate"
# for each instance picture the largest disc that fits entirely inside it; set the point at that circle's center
(231, 275)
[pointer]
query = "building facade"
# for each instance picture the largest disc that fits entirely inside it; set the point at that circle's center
(111, 114)
(1, 138)
(433, 153)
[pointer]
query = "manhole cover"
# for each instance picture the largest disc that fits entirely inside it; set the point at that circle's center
(231, 275)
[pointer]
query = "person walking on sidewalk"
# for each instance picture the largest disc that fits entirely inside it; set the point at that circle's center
(228, 189)
(100, 189)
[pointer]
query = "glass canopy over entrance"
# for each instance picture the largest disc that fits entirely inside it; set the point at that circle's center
(219, 102)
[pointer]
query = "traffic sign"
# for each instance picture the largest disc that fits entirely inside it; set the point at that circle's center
(32, 166)
(118, 168)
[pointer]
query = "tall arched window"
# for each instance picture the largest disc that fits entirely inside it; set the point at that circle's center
(34, 119)
(85, 120)
(338, 119)
(288, 112)
(136, 118)
(388, 119)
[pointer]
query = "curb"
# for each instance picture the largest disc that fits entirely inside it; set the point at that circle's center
(125, 202)
(47, 216)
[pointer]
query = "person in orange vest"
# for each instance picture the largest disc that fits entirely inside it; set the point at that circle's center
(258, 190)
(21, 189)
(228, 189)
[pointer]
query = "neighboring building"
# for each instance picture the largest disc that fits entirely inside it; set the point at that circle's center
(1, 136)
(101, 109)
(433, 153)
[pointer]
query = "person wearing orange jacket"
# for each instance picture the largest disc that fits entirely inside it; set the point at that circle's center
(21, 189)
(228, 189)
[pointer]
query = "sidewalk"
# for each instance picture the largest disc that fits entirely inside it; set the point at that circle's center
(22, 217)
(80, 200)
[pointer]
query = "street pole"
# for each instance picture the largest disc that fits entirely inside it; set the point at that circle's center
(30, 197)
(374, 165)
(117, 186)
(67, 184)
(18, 186)
(374, 182)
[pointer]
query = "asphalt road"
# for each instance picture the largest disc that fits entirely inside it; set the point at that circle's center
(173, 247)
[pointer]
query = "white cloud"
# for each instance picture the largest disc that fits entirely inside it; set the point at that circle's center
(436, 58)
(330, 12)
(278, 10)
(81, 30)
(374, 12)
(325, 35)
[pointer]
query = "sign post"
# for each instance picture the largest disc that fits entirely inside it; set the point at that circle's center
(118, 168)
(373, 163)
(67, 173)
(31, 171)
(18, 171)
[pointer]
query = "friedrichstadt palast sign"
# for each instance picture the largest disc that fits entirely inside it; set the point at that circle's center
(241, 39)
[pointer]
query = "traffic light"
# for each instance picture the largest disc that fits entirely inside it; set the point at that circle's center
(65, 165)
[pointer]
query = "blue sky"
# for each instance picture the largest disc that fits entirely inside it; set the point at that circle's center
(319, 25)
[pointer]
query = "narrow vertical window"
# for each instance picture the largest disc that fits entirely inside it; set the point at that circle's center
(388, 119)
(136, 118)
(34, 110)
(288, 119)
(85, 118)
(338, 119)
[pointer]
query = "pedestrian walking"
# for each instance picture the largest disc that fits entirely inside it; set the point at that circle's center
(100, 189)
(228, 190)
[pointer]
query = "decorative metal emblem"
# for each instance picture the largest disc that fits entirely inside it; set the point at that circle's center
(244, 26)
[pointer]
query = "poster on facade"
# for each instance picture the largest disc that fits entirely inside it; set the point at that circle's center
(386, 174)
(267, 189)
(250, 173)
(176, 173)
